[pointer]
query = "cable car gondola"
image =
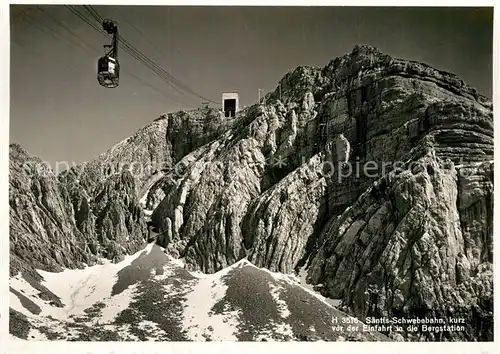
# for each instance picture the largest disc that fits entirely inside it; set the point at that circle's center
(108, 67)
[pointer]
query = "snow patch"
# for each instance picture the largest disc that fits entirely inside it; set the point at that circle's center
(280, 304)
(177, 261)
(35, 334)
(309, 288)
(117, 304)
(79, 289)
(21, 285)
(152, 329)
(281, 329)
(199, 320)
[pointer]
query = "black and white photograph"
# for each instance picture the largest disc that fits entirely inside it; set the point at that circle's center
(250, 173)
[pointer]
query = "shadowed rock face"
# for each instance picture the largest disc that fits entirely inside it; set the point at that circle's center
(54, 225)
(261, 191)
(152, 150)
(413, 237)
(43, 233)
(407, 247)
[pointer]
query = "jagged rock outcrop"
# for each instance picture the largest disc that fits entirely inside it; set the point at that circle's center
(407, 248)
(280, 239)
(404, 228)
(56, 225)
(144, 155)
(43, 232)
(152, 150)
(120, 226)
(385, 107)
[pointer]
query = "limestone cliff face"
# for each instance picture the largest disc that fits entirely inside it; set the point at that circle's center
(404, 228)
(55, 225)
(419, 243)
(43, 233)
(152, 150)
(408, 247)
(261, 190)
(93, 210)
(119, 220)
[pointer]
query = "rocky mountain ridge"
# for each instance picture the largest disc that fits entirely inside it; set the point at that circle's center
(413, 238)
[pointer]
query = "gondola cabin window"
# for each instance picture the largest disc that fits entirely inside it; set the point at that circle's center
(103, 65)
(111, 67)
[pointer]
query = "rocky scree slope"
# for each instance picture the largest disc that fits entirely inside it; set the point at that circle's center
(417, 239)
(120, 302)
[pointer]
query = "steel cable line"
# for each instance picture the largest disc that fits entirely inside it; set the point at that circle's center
(100, 30)
(145, 37)
(157, 90)
(65, 27)
(173, 79)
(138, 56)
(89, 47)
(34, 22)
(93, 13)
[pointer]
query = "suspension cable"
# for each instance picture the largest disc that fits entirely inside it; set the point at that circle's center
(138, 56)
(45, 27)
(146, 60)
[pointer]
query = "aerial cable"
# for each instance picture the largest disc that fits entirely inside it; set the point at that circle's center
(144, 59)
(174, 79)
(66, 28)
(157, 71)
(157, 90)
(170, 76)
(145, 37)
(93, 13)
(138, 56)
(45, 27)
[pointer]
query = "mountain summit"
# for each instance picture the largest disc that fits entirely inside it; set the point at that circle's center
(393, 220)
